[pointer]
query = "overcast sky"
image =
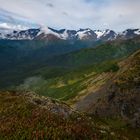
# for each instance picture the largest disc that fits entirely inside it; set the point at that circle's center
(71, 14)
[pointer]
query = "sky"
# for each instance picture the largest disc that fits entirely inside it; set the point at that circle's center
(70, 14)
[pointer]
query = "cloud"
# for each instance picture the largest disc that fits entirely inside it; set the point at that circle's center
(50, 5)
(6, 26)
(65, 13)
(15, 21)
(95, 14)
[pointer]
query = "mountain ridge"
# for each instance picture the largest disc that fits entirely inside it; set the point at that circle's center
(47, 33)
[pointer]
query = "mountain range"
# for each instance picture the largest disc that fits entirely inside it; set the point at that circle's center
(46, 33)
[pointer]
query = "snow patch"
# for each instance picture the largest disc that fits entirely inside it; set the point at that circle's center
(83, 33)
(137, 32)
(64, 35)
(99, 33)
(46, 31)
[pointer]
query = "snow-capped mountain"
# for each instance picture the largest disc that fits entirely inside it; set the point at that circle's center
(108, 35)
(46, 33)
(19, 34)
(86, 34)
(129, 33)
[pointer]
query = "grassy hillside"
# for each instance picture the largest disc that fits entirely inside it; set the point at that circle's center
(28, 116)
(66, 85)
(20, 59)
(65, 76)
(62, 76)
(107, 51)
(120, 96)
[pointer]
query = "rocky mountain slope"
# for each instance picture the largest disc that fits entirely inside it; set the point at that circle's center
(46, 33)
(119, 95)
